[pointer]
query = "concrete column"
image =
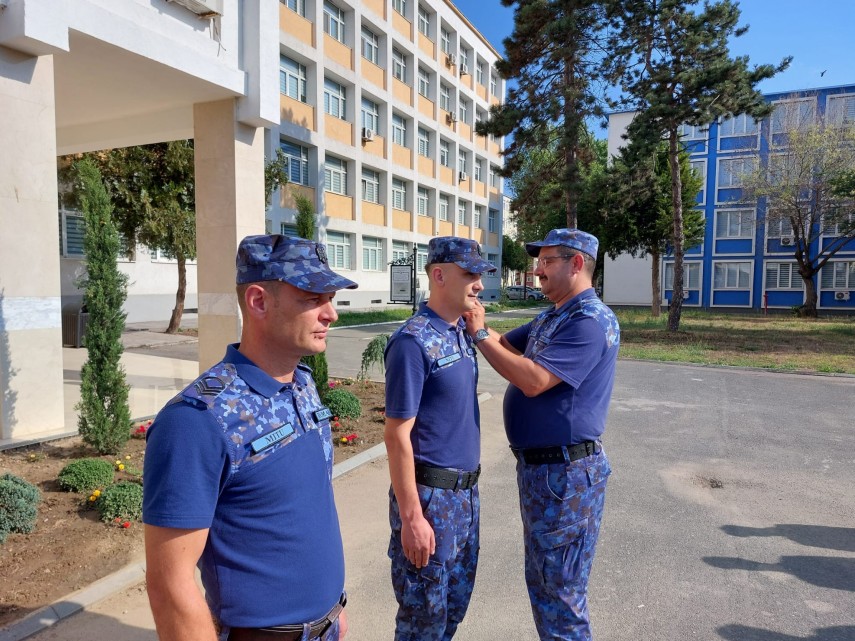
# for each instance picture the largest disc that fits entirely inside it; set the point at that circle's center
(229, 205)
(31, 393)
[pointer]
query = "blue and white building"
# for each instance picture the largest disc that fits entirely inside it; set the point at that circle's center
(743, 263)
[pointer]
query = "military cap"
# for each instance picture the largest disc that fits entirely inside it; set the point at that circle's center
(297, 261)
(573, 238)
(462, 252)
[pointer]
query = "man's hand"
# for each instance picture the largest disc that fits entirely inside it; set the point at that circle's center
(418, 540)
(342, 625)
(474, 318)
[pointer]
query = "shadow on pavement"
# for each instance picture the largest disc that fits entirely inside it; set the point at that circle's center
(92, 625)
(825, 572)
(821, 536)
(747, 633)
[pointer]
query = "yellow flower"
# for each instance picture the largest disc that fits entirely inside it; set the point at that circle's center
(121, 466)
(96, 493)
(118, 462)
(92, 498)
(127, 457)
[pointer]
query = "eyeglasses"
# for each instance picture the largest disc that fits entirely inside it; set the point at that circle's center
(544, 262)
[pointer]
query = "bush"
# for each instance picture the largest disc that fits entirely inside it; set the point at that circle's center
(343, 404)
(122, 500)
(320, 370)
(85, 475)
(373, 355)
(18, 501)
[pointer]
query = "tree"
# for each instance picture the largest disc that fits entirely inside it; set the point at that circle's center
(275, 174)
(554, 54)
(105, 418)
(514, 257)
(807, 188)
(671, 60)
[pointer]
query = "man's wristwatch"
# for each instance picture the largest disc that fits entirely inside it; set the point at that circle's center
(480, 335)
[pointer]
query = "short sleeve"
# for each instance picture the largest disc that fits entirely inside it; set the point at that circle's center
(518, 337)
(574, 350)
(186, 466)
(407, 369)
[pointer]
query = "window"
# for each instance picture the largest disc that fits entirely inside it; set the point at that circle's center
(493, 258)
(298, 6)
(464, 57)
(292, 79)
(461, 163)
(444, 97)
(838, 275)
(72, 228)
(334, 99)
(444, 153)
(494, 83)
(494, 176)
(421, 257)
(476, 216)
(461, 213)
(479, 170)
(792, 115)
(783, 276)
(422, 202)
(399, 130)
(841, 110)
(731, 171)
(493, 221)
(444, 40)
(399, 194)
(732, 275)
(778, 225)
(288, 230)
(372, 254)
(479, 73)
(370, 46)
(297, 162)
(734, 223)
(370, 185)
(742, 125)
(424, 143)
(691, 276)
(399, 65)
(370, 115)
(693, 132)
(333, 21)
(463, 110)
(338, 250)
(700, 167)
(838, 223)
(400, 6)
(335, 175)
(400, 250)
(424, 83)
(424, 21)
(443, 207)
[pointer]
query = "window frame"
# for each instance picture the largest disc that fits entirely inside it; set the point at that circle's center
(847, 271)
(301, 161)
(424, 142)
(424, 82)
(344, 241)
(371, 44)
(338, 98)
(737, 265)
(370, 183)
(399, 130)
(399, 65)
(370, 118)
(422, 201)
(444, 206)
(492, 220)
(372, 254)
(746, 229)
(399, 194)
(335, 168)
(298, 75)
(750, 160)
(794, 276)
(424, 21)
(336, 19)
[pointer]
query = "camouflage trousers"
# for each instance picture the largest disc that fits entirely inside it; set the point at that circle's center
(561, 506)
(432, 601)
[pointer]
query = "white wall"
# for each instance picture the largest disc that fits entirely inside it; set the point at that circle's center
(626, 280)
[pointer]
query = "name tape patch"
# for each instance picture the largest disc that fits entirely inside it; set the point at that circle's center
(271, 438)
(322, 414)
(448, 360)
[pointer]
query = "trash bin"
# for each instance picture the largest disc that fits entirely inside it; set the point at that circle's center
(74, 320)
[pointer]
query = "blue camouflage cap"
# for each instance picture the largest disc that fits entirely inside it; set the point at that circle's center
(462, 252)
(573, 238)
(297, 261)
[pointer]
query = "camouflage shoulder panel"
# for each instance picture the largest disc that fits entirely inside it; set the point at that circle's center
(303, 366)
(415, 324)
(205, 389)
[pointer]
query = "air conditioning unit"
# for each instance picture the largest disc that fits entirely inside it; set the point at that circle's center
(841, 295)
(464, 70)
(202, 8)
(463, 176)
(367, 134)
(787, 241)
(450, 60)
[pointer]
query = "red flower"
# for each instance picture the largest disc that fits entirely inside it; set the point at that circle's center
(126, 524)
(117, 519)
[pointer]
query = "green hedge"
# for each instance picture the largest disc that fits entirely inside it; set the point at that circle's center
(122, 500)
(18, 502)
(343, 404)
(85, 475)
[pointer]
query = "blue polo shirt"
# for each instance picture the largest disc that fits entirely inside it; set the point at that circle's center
(432, 375)
(578, 343)
(250, 459)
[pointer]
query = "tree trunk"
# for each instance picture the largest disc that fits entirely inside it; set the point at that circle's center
(656, 303)
(808, 308)
(178, 311)
(571, 137)
(677, 238)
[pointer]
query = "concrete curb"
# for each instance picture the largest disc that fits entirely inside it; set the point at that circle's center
(134, 573)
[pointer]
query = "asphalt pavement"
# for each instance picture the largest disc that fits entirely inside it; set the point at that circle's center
(729, 515)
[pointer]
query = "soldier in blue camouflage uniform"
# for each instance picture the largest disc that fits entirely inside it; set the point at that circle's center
(561, 369)
(238, 476)
(433, 440)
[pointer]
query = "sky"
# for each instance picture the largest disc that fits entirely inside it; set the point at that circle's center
(814, 32)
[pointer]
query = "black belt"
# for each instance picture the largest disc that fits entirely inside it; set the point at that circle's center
(446, 479)
(556, 454)
(290, 632)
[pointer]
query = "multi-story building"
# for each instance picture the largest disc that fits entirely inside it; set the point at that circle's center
(379, 101)
(744, 262)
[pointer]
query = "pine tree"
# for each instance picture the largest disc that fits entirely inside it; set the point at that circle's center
(554, 54)
(104, 420)
(672, 61)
